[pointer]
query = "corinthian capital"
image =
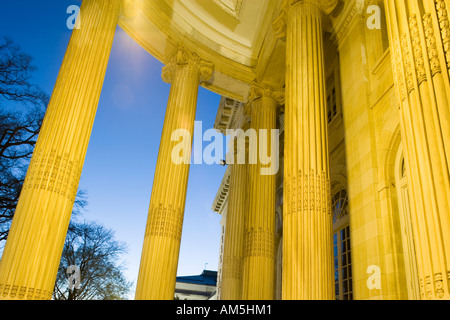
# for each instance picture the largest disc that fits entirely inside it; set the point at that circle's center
(185, 58)
(326, 6)
(309, 7)
(258, 91)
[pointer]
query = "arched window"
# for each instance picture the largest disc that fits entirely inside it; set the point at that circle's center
(341, 247)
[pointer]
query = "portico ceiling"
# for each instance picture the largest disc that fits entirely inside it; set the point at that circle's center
(229, 33)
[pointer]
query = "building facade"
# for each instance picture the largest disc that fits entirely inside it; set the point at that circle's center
(198, 287)
(359, 207)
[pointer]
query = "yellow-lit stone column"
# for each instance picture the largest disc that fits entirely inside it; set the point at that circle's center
(159, 261)
(259, 239)
(33, 250)
(233, 251)
(419, 34)
(307, 225)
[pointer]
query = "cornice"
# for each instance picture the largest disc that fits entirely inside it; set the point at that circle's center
(230, 115)
(222, 194)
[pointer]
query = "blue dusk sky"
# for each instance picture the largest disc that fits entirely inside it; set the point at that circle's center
(121, 158)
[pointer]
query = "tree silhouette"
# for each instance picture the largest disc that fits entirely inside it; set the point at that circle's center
(94, 250)
(19, 125)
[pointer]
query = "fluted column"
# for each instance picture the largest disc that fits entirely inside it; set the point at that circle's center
(419, 34)
(233, 252)
(307, 224)
(259, 238)
(33, 250)
(159, 260)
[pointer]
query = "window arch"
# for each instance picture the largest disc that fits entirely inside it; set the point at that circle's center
(341, 246)
(339, 205)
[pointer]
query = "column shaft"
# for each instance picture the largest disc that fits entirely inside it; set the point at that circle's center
(307, 224)
(234, 234)
(33, 250)
(159, 261)
(259, 257)
(419, 35)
